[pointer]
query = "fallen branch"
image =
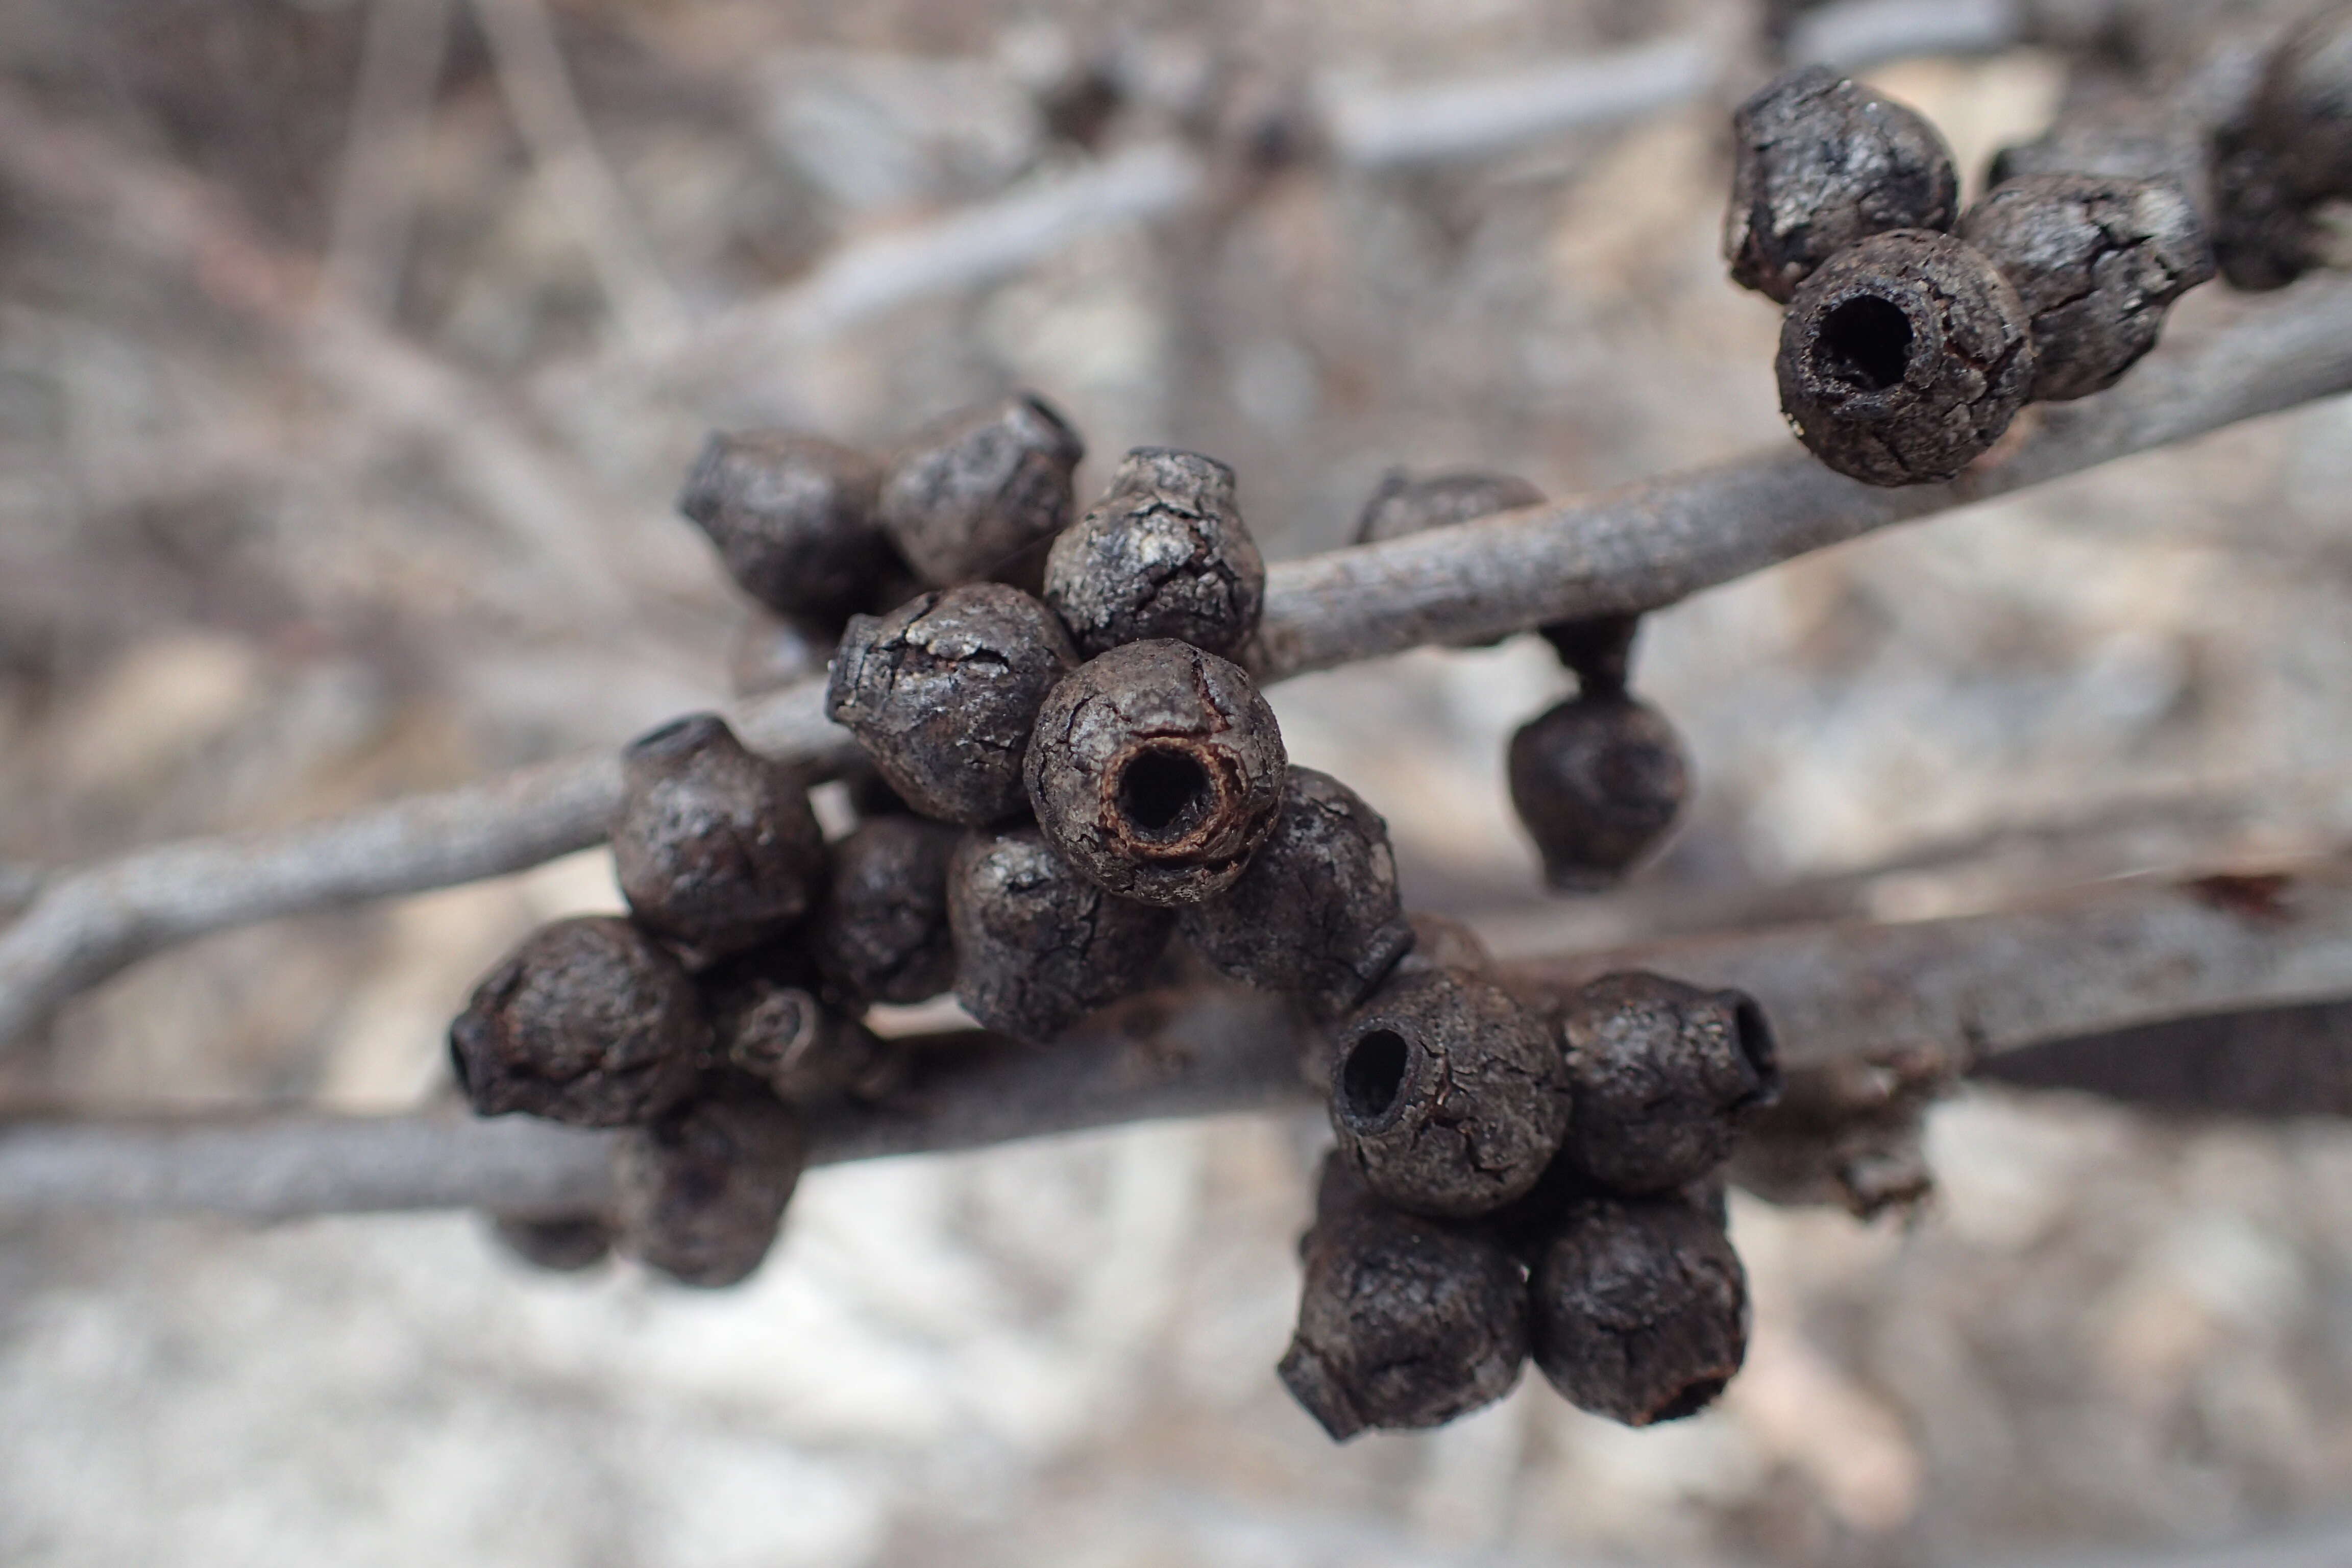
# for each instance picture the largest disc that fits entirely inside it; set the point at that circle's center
(1635, 549)
(1872, 1019)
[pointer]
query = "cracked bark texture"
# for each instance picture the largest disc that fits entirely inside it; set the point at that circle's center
(1821, 164)
(1662, 1079)
(2097, 262)
(792, 519)
(1037, 945)
(1165, 553)
(943, 691)
(970, 495)
(1904, 359)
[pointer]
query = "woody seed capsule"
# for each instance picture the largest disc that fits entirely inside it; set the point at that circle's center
(1447, 1095)
(589, 1021)
(1038, 946)
(1597, 782)
(2289, 150)
(788, 1039)
(2097, 261)
(1163, 554)
(970, 495)
(1823, 162)
(793, 517)
(1640, 1309)
(1316, 914)
(716, 848)
(1157, 770)
(881, 934)
(702, 1191)
(1904, 358)
(1663, 1076)
(943, 693)
(1404, 1322)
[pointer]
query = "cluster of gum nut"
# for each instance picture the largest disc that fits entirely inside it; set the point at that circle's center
(1066, 768)
(1914, 332)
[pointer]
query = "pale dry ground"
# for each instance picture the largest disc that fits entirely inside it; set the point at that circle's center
(229, 597)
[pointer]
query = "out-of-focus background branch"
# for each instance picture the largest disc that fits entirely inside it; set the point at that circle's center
(350, 355)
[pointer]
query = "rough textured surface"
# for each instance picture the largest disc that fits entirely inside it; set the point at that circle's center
(2097, 261)
(1640, 1309)
(1037, 945)
(565, 1246)
(1904, 358)
(1400, 505)
(793, 517)
(1821, 163)
(1597, 782)
(1316, 914)
(1448, 1096)
(701, 1192)
(943, 691)
(1165, 553)
(1158, 770)
(589, 1021)
(881, 934)
(1662, 1076)
(970, 494)
(2123, 135)
(716, 848)
(1402, 1322)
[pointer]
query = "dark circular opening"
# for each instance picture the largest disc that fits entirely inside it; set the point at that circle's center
(1373, 1075)
(1865, 343)
(1163, 794)
(1691, 1400)
(1756, 1043)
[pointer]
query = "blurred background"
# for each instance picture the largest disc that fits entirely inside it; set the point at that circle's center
(350, 354)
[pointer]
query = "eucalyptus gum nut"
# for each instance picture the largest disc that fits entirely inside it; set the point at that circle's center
(701, 1192)
(881, 934)
(1165, 553)
(1157, 770)
(1821, 163)
(943, 693)
(716, 848)
(1037, 945)
(1904, 358)
(587, 1021)
(793, 517)
(968, 495)
(2097, 262)
(1597, 781)
(1448, 1096)
(1662, 1077)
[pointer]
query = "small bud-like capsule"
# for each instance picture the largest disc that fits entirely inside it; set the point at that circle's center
(1163, 554)
(792, 517)
(787, 1038)
(881, 934)
(1823, 162)
(1640, 1309)
(771, 651)
(1599, 648)
(1157, 770)
(716, 848)
(1401, 506)
(1317, 914)
(564, 1243)
(700, 1193)
(1038, 946)
(1663, 1076)
(1447, 1095)
(2262, 237)
(1904, 358)
(2097, 262)
(1597, 781)
(970, 494)
(943, 691)
(1404, 1322)
(589, 1021)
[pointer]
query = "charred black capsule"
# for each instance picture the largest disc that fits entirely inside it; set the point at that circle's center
(716, 848)
(1163, 554)
(966, 497)
(701, 1192)
(881, 934)
(1597, 782)
(1404, 1322)
(1157, 769)
(793, 517)
(1037, 945)
(589, 1021)
(1400, 505)
(1904, 358)
(1448, 1096)
(1640, 1309)
(1823, 162)
(942, 692)
(1662, 1077)
(1316, 914)
(784, 1036)
(2097, 261)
